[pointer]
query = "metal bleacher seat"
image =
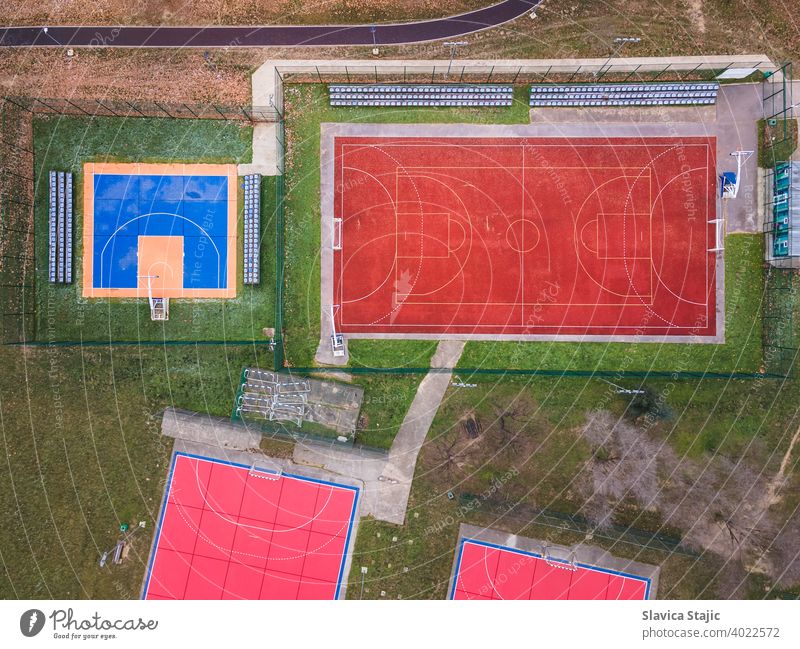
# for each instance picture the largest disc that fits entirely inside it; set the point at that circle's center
(633, 94)
(60, 227)
(68, 229)
(427, 95)
(252, 229)
(52, 247)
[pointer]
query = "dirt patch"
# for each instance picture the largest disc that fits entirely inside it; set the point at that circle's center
(510, 438)
(697, 16)
(722, 504)
(160, 75)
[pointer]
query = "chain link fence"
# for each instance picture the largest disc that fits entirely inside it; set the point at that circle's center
(17, 289)
(122, 108)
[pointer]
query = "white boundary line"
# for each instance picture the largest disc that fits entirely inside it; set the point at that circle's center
(576, 131)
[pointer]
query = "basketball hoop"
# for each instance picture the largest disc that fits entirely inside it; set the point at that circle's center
(159, 306)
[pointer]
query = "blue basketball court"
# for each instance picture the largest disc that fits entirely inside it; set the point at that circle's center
(163, 230)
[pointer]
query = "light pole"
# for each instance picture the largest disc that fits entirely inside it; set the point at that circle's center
(453, 45)
(619, 43)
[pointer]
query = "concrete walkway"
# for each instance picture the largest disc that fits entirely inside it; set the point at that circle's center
(265, 151)
(387, 478)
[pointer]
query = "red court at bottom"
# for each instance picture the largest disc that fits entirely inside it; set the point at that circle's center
(525, 236)
(487, 571)
(228, 531)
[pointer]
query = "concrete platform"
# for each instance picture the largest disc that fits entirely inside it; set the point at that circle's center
(200, 428)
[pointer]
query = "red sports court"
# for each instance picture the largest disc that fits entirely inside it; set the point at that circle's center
(553, 236)
(489, 571)
(230, 531)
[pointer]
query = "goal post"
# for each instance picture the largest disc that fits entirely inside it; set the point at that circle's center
(561, 557)
(337, 234)
(266, 469)
(719, 235)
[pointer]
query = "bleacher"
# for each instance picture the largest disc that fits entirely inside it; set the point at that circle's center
(624, 94)
(785, 212)
(60, 228)
(252, 229)
(420, 95)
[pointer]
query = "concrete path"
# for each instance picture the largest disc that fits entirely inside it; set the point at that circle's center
(387, 478)
(201, 428)
(739, 107)
(265, 151)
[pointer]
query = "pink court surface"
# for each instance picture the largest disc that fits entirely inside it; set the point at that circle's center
(488, 571)
(525, 236)
(228, 531)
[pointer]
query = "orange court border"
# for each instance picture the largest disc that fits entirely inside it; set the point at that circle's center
(174, 169)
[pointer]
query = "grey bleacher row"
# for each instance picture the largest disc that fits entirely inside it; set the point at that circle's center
(420, 102)
(252, 228)
(591, 94)
(60, 230)
(627, 87)
(622, 102)
(638, 94)
(420, 95)
(413, 87)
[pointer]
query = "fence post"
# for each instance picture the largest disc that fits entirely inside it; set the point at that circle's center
(662, 71)
(110, 110)
(692, 71)
(163, 110)
(578, 69)
(30, 110)
(78, 107)
(8, 171)
(44, 103)
(15, 146)
(632, 72)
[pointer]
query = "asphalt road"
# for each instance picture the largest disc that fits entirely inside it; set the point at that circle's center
(269, 35)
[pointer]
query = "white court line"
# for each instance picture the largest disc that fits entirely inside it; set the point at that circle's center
(571, 145)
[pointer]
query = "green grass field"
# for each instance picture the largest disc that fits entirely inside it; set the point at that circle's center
(535, 461)
(776, 143)
(84, 453)
(65, 143)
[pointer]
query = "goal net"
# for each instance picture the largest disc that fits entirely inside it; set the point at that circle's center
(337, 234)
(266, 469)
